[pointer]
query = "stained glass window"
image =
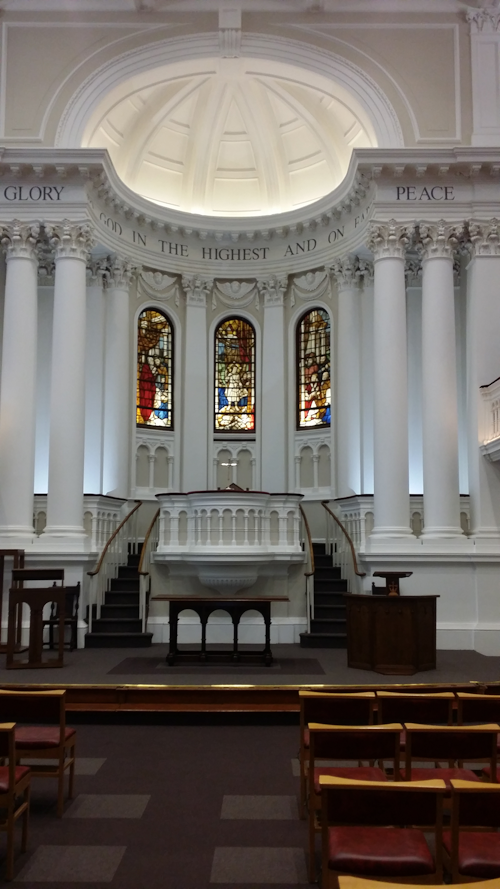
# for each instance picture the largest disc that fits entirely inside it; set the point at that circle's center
(235, 376)
(154, 370)
(314, 390)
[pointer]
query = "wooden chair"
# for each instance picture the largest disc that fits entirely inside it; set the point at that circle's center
(347, 743)
(477, 708)
(14, 795)
(435, 708)
(470, 854)
(35, 598)
(41, 733)
(336, 709)
(71, 604)
(364, 830)
(453, 744)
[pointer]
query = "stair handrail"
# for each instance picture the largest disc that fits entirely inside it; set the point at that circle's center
(150, 543)
(114, 554)
(309, 575)
(341, 547)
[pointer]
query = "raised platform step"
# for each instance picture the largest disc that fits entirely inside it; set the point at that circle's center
(323, 640)
(329, 625)
(117, 625)
(118, 640)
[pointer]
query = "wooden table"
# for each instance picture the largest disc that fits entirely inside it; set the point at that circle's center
(204, 606)
(393, 635)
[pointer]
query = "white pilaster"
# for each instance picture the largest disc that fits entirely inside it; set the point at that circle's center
(273, 414)
(437, 243)
(366, 384)
(94, 379)
(117, 382)
(485, 60)
(483, 337)
(388, 242)
(18, 381)
(348, 389)
(71, 242)
(198, 401)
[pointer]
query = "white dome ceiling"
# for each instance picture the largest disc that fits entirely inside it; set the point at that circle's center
(230, 137)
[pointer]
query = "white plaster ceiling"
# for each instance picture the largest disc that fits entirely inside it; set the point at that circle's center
(230, 137)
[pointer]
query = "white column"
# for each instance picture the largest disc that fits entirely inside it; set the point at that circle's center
(18, 382)
(71, 242)
(366, 384)
(94, 379)
(348, 388)
(117, 382)
(198, 401)
(437, 243)
(274, 460)
(483, 337)
(388, 242)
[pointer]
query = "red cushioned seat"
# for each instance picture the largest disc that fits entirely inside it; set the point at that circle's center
(356, 773)
(379, 851)
(445, 775)
(39, 737)
(478, 853)
(20, 772)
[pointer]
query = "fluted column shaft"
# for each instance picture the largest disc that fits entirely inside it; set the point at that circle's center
(366, 378)
(439, 382)
(94, 383)
(18, 381)
(117, 382)
(390, 382)
(273, 415)
(348, 379)
(71, 242)
(197, 401)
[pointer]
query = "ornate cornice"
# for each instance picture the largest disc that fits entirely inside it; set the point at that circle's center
(484, 237)
(20, 240)
(273, 289)
(72, 240)
(346, 273)
(389, 240)
(438, 240)
(197, 289)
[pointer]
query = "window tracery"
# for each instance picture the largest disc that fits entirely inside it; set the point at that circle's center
(154, 370)
(235, 376)
(313, 370)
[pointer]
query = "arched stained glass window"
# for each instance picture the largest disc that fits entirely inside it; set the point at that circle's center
(234, 376)
(154, 370)
(313, 354)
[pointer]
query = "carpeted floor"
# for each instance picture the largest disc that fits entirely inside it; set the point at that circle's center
(292, 665)
(172, 807)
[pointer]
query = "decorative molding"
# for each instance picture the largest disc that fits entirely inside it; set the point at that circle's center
(119, 273)
(389, 240)
(485, 20)
(229, 33)
(158, 285)
(438, 240)
(484, 237)
(413, 271)
(365, 270)
(197, 289)
(234, 293)
(272, 289)
(20, 240)
(345, 272)
(312, 285)
(96, 269)
(70, 240)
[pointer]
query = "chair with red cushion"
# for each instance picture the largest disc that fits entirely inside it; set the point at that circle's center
(365, 830)
(14, 794)
(338, 709)
(476, 708)
(41, 733)
(452, 744)
(347, 743)
(472, 854)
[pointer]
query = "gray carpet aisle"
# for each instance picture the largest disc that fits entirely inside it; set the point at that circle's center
(172, 807)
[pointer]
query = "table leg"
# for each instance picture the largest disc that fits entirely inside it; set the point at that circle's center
(172, 647)
(204, 621)
(236, 624)
(268, 657)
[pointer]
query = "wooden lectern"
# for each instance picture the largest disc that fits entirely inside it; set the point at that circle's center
(393, 635)
(35, 598)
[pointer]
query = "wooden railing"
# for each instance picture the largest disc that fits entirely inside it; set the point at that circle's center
(309, 574)
(149, 545)
(114, 554)
(339, 544)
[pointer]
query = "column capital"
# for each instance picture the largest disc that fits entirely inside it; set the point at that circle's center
(20, 240)
(365, 270)
(346, 272)
(119, 273)
(96, 269)
(486, 19)
(413, 271)
(70, 240)
(484, 237)
(197, 290)
(272, 289)
(439, 240)
(389, 240)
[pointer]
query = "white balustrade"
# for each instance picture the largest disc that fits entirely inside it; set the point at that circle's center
(491, 420)
(102, 516)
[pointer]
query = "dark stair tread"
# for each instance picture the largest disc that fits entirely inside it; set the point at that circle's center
(118, 640)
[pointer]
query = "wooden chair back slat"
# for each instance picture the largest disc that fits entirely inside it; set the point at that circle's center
(39, 707)
(423, 708)
(354, 742)
(473, 708)
(475, 806)
(378, 805)
(337, 709)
